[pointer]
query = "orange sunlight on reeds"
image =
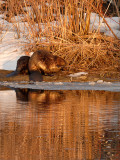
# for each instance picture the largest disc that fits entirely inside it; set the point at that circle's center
(63, 27)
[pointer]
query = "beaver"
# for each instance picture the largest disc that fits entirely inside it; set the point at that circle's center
(45, 63)
(35, 76)
(22, 66)
(40, 63)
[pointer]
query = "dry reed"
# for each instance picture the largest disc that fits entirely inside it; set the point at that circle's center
(63, 27)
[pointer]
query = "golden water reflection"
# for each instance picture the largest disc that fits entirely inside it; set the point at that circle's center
(75, 125)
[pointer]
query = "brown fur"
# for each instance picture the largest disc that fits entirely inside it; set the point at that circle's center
(22, 65)
(45, 62)
(35, 76)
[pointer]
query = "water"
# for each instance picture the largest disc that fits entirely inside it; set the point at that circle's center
(59, 125)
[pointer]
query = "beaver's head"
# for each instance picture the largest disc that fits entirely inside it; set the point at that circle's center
(60, 62)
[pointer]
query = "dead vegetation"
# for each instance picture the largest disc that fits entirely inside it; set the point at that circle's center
(63, 27)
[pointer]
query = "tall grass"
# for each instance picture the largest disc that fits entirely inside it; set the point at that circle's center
(63, 27)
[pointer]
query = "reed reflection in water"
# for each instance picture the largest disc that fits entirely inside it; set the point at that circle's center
(39, 125)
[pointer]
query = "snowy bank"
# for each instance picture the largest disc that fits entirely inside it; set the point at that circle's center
(105, 86)
(12, 37)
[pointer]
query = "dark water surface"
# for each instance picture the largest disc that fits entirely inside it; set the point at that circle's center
(59, 125)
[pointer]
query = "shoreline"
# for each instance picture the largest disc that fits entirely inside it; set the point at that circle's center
(64, 76)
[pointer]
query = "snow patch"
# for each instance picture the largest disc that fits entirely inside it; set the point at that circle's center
(78, 74)
(106, 86)
(13, 36)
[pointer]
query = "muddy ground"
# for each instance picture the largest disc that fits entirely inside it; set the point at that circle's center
(63, 76)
